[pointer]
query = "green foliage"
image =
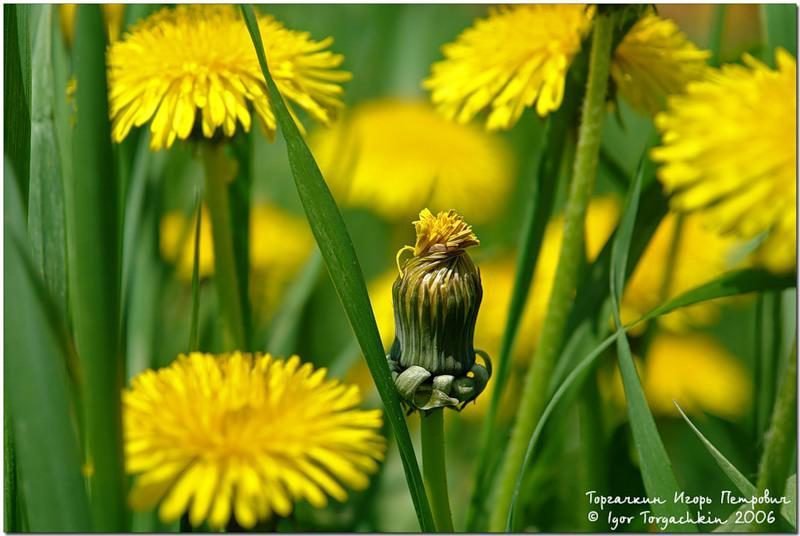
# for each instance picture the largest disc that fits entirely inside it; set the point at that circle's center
(44, 428)
(92, 298)
(94, 272)
(340, 257)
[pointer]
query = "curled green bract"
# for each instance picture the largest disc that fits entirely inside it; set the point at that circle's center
(436, 301)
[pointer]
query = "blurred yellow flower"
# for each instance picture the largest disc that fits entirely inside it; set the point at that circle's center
(395, 156)
(655, 59)
(497, 277)
(701, 256)
(194, 69)
(244, 435)
(692, 369)
(516, 56)
(729, 153)
(696, 372)
(279, 245)
(112, 13)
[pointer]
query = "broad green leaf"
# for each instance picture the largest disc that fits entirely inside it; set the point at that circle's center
(44, 424)
(340, 257)
(46, 189)
(656, 468)
(94, 270)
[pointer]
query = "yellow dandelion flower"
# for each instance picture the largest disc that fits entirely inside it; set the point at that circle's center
(113, 15)
(692, 369)
(194, 68)
(655, 59)
(701, 256)
(244, 435)
(729, 152)
(515, 57)
(394, 156)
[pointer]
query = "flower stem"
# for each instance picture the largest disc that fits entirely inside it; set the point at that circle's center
(219, 170)
(779, 441)
(536, 390)
(434, 472)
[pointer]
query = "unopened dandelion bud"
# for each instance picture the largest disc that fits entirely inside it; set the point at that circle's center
(436, 301)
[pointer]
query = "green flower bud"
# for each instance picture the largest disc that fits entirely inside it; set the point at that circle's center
(436, 301)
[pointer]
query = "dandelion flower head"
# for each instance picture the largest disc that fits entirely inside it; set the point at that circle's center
(244, 435)
(516, 57)
(444, 233)
(654, 60)
(729, 152)
(194, 68)
(497, 275)
(394, 156)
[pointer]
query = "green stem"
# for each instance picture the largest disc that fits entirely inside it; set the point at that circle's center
(779, 443)
(716, 33)
(219, 170)
(194, 341)
(434, 472)
(535, 391)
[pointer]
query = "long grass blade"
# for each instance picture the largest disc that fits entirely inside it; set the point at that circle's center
(659, 480)
(94, 271)
(537, 213)
(17, 125)
(730, 470)
(568, 382)
(46, 190)
(194, 341)
(730, 284)
(44, 428)
(340, 257)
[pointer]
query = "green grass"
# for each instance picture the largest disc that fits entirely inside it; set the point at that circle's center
(91, 300)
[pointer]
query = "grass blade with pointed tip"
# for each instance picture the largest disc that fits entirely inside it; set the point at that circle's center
(744, 485)
(94, 270)
(45, 433)
(710, 291)
(340, 257)
(656, 468)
